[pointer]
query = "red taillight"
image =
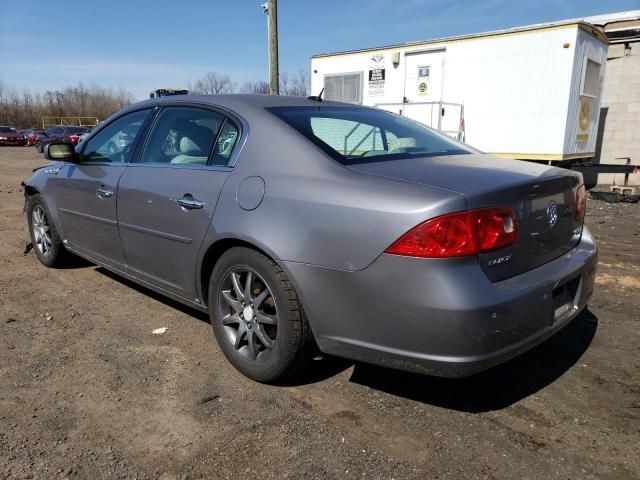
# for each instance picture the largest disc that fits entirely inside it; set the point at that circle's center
(459, 234)
(581, 203)
(496, 227)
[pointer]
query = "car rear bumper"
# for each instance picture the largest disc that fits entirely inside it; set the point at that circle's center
(442, 316)
(13, 142)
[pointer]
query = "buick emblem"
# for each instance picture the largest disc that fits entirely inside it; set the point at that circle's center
(552, 213)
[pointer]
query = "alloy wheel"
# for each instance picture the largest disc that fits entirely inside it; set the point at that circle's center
(248, 311)
(41, 230)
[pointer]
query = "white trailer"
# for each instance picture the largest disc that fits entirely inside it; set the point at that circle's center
(526, 93)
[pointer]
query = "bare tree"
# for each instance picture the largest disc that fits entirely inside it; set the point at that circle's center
(261, 86)
(212, 83)
(300, 84)
(26, 110)
(285, 84)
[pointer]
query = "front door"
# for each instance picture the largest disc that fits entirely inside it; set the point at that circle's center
(423, 86)
(86, 191)
(167, 197)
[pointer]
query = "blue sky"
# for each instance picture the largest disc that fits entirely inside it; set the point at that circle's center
(140, 45)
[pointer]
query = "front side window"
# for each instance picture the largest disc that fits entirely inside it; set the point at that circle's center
(357, 135)
(182, 136)
(113, 144)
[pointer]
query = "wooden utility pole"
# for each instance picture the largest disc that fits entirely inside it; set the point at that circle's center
(274, 77)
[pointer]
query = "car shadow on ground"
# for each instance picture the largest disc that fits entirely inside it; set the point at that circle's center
(493, 389)
(73, 262)
(155, 295)
(496, 388)
(317, 370)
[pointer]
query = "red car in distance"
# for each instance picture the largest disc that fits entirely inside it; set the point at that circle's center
(61, 134)
(10, 136)
(32, 135)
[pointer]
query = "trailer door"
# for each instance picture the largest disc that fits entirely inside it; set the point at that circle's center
(423, 86)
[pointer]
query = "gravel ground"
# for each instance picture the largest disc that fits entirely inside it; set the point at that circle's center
(88, 392)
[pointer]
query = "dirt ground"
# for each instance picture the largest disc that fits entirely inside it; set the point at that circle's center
(87, 391)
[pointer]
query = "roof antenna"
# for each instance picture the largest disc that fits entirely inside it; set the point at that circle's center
(317, 98)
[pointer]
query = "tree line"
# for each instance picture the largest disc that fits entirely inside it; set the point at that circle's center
(23, 109)
(296, 84)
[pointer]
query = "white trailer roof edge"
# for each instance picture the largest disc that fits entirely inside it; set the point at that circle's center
(587, 27)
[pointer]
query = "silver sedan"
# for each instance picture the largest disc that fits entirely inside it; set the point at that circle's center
(302, 225)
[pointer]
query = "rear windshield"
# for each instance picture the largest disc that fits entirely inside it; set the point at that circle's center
(7, 130)
(356, 135)
(77, 129)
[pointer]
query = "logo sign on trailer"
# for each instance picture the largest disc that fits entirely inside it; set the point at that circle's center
(376, 75)
(423, 80)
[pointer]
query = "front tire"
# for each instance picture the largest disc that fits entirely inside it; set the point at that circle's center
(39, 148)
(256, 316)
(44, 236)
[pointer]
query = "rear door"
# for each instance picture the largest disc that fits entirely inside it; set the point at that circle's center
(86, 193)
(167, 197)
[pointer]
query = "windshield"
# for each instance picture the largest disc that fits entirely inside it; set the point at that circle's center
(357, 135)
(7, 130)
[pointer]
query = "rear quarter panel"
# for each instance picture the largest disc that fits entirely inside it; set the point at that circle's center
(314, 210)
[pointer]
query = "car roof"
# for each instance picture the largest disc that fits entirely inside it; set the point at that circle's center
(242, 103)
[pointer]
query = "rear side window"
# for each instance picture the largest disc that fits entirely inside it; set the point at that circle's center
(226, 142)
(358, 135)
(182, 136)
(114, 143)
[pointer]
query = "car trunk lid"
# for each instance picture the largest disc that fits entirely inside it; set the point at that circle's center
(543, 199)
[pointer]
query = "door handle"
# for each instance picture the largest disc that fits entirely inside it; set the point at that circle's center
(189, 203)
(104, 192)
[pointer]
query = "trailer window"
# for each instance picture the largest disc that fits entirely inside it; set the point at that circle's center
(345, 87)
(590, 78)
(359, 135)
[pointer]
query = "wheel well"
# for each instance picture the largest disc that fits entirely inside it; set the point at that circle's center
(29, 190)
(212, 256)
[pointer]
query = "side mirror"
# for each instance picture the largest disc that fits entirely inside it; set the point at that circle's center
(60, 151)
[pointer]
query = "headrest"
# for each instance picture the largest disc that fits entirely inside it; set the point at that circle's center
(402, 142)
(188, 146)
(197, 140)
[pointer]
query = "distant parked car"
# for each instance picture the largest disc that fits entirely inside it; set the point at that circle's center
(85, 135)
(10, 136)
(66, 134)
(32, 135)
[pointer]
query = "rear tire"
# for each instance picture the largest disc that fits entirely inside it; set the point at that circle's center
(256, 316)
(44, 236)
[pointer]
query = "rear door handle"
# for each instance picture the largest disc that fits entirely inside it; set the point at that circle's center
(104, 192)
(189, 203)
